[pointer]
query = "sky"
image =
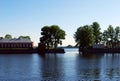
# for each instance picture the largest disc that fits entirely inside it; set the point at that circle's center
(27, 17)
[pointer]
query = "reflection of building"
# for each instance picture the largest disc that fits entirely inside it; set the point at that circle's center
(16, 43)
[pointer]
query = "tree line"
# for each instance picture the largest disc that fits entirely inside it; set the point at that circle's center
(87, 35)
(8, 36)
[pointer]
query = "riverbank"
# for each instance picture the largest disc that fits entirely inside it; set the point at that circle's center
(28, 51)
(17, 51)
(100, 50)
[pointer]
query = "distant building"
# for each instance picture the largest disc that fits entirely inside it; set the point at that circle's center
(15, 43)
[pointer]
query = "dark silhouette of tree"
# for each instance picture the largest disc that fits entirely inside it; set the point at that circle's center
(8, 36)
(46, 36)
(1, 37)
(97, 32)
(52, 36)
(84, 36)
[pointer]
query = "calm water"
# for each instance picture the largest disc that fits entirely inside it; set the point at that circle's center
(69, 66)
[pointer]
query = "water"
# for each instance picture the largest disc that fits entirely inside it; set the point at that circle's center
(70, 66)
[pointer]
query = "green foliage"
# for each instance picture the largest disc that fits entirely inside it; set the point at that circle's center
(111, 32)
(46, 36)
(117, 34)
(24, 37)
(105, 36)
(8, 36)
(97, 32)
(111, 36)
(52, 36)
(84, 36)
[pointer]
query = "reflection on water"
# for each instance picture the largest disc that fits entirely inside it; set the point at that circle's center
(69, 66)
(52, 67)
(89, 66)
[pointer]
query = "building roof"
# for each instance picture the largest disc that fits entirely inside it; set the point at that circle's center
(5, 40)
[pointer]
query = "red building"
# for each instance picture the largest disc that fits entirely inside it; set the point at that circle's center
(16, 43)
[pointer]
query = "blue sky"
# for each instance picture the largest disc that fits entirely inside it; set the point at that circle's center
(27, 17)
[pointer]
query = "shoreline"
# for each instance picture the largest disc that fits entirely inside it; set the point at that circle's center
(100, 50)
(30, 51)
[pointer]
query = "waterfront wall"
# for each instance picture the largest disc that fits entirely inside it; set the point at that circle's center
(30, 51)
(104, 50)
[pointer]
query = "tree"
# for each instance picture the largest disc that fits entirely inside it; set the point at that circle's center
(84, 36)
(46, 36)
(52, 36)
(97, 32)
(110, 35)
(117, 36)
(111, 32)
(8, 36)
(105, 37)
(57, 34)
(117, 33)
(24, 37)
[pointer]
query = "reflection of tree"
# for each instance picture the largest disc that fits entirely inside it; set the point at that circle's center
(92, 56)
(87, 67)
(110, 72)
(112, 66)
(52, 67)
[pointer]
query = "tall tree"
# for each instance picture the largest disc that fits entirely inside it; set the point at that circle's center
(105, 37)
(52, 36)
(8, 36)
(97, 32)
(111, 35)
(117, 33)
(46, 36)
(84, 36)
(111, 32)
(117, 36)
(57, 35)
